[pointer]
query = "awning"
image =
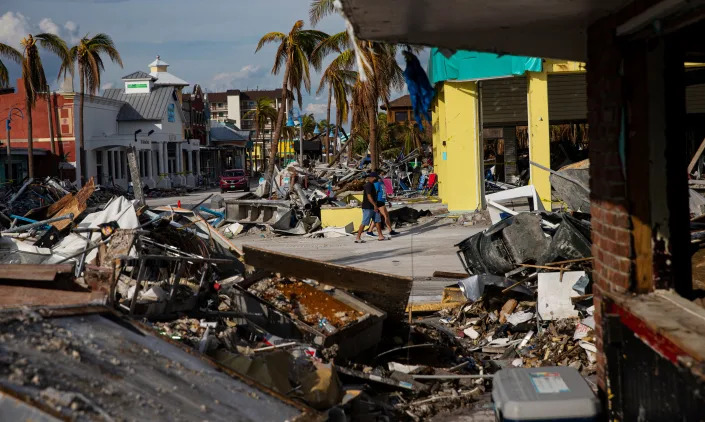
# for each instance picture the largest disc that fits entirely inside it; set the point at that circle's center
(23, 151)
(540, 28)
(473, 65)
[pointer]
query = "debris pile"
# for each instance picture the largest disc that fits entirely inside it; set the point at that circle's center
(121, 290)
(306, 199)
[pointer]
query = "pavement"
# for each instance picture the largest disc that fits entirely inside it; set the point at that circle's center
(416, 252)
(190, 199)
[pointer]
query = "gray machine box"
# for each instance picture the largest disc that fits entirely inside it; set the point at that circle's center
(553, 393)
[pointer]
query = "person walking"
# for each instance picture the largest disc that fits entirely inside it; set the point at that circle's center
(382, 206)
(370, 210)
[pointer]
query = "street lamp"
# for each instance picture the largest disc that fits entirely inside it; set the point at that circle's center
(8, 127)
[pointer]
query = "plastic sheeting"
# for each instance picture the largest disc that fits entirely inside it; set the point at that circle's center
(464, 65)
(118, 209)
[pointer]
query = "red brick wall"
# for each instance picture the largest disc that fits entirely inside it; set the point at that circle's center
(612, 243)
(63, 133)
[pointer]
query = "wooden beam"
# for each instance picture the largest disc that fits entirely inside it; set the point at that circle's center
(696, 156)
(385, 291)
(454, 276)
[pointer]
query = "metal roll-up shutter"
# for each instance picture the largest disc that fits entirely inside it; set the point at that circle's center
(504, 102)
(695, 99)
(567, 97)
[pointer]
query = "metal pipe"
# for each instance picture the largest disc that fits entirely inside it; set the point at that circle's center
(302, 196)
(38, 224)
(285, 204)
(562, 176)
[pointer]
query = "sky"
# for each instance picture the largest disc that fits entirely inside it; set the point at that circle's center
(206, 42)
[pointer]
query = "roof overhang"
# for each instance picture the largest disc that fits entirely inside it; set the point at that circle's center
(537, 28)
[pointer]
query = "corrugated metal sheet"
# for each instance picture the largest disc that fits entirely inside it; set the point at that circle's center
(150, 106)
(567, 97)
(695, 99)
(504, 101)
(125, 372)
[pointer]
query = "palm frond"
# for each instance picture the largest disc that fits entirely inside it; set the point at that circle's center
(10, 53)
(270, 37)
(320, 9)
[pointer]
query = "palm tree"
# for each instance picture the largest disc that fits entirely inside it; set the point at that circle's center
(308, 125)
(338, 76)
(383, 74)
(263, 112)
(35, 82)
(87, 55)
(9, 53)
(294, 52)
(14, 55)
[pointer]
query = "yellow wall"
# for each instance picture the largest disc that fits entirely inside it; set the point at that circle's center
(456, 122)
(539, 134)
(439, 135)
(464, 185)
(341, 217)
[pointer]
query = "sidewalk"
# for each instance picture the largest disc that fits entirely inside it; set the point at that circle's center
(417, 252)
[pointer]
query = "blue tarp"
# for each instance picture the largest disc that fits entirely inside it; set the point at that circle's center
(464, 65)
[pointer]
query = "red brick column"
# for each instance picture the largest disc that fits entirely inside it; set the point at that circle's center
(612, 242)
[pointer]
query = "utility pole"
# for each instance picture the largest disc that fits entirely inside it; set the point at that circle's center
(8, 126)
(135, 170)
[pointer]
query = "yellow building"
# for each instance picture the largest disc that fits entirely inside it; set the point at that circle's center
(462, 109)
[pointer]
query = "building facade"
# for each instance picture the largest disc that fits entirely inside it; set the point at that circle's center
(146, 114)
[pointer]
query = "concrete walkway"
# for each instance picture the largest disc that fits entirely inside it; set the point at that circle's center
(417, 252)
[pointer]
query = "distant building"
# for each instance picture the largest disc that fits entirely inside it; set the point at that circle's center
(233, 106)
(400, 110)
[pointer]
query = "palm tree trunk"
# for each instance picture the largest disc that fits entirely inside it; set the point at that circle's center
(330, 94)
(50, 110)
(338, 122)
(277, 129)
(30, 141)
(81, 145)
(257, 131)
(372, 121)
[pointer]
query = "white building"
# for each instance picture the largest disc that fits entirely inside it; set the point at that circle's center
(145, 114)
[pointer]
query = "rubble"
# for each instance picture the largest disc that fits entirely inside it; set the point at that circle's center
(291, 330)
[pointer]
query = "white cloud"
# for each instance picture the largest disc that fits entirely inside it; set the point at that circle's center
(107, 85)
(318, 110)
(245, 72)
(47, 25)
(72, 29)
(13, 27)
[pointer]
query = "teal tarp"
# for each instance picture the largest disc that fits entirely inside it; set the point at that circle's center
(469, 65)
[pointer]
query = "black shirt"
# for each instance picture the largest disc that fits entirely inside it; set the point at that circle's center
(369, 189)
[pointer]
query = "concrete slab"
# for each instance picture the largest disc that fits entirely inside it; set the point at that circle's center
(417, 252)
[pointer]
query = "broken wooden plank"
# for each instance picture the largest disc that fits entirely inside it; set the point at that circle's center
(696, 156)
(432, 307)
(75, 205)
(18, 273)
(445, 274)
(387, 292)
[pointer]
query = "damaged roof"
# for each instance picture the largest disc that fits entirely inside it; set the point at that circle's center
(113, 368)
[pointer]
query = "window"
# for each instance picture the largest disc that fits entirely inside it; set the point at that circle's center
(122, 164)
(401, 116)
(110, 165)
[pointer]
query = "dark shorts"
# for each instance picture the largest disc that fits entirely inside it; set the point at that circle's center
(370, 215)
(381, 204)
